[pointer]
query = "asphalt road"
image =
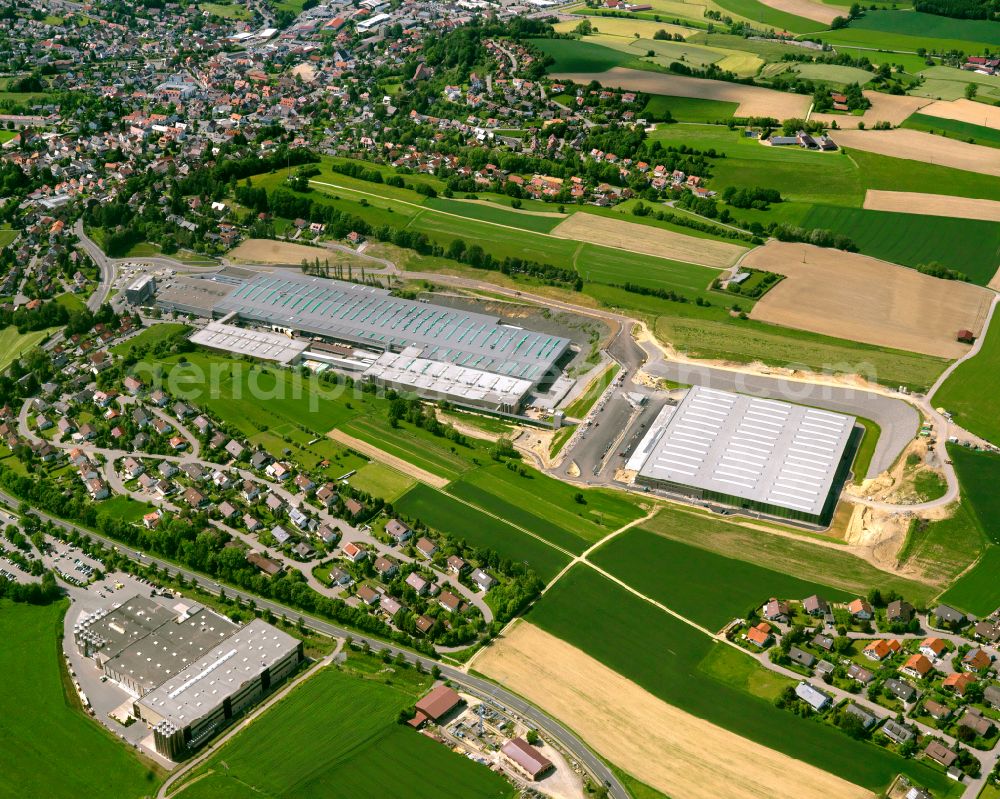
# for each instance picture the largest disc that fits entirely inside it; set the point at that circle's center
(471, 684)
(104, 264)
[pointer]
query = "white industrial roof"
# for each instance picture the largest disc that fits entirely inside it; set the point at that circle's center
(447, 379)
(258, 343)
(761, 450)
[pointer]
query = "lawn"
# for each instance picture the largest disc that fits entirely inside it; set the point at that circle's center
(71, 302)
(353, 743)
(596, 264)
(663, 655)
(688, 109)
(812, 562)
(686, 578)
(7, 235)
(415, 446)
(970, 393)
(51, 748)
(124, 508)
(581, 406)
(457, 520)
(13, 344)
(866, 449)
(954, 129)
(573, 55)
(382, 481)
(150, 336)
(941, 550)
(969, 246)
(226, 10)
(979, 475)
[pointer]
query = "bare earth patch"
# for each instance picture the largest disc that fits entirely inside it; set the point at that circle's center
(919, 146)
(668, 749)
(965, 111)
(268, 251)
(806, 8)
(914, 202)
(400, 465)
(864, 299)
(891, 108)
(648, 240)
(754, 101)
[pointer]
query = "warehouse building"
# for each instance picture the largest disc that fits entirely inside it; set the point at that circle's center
(197, 702)
(260, 344)
(141, 291)
(467, 357)
(189, 669)
(764, 455)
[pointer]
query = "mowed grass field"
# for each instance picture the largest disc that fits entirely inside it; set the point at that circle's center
(688, 109)
(970, 392)
(337, 734)
(50, 747)
(687, 579)
(462, 522)
(665, 656)
(13, 344)
(7, 235)
(976, 591)
(575, 55)
(954, 129)
(970, 246)
(817, 562)
(150, 336)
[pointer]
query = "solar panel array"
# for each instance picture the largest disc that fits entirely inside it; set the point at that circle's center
(762, 450)
(372, 317)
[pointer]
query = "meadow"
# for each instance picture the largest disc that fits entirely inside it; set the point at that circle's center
(979, 475)
(663, 655)
(687, 579)
(460, 521)
(13, 344)
(969, 246)
(687, 109)
(150, 336)
(813, 562)
(51, 747)
(976, 591)
(954, 129)
(293, 750)
(772, 17)
(574, 55)
(970, 394)
(7, 235)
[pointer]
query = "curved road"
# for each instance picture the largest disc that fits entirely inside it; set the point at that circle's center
(471, 684)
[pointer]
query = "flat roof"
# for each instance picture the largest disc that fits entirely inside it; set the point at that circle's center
(447, 379)
(196, 295)
(205, 683)
(171, 647)
(372, 317)
(258, 343)
(114, 630)
(761, 450)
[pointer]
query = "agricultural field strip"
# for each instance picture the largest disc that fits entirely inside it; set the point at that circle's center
(422, 209)
(910, 202)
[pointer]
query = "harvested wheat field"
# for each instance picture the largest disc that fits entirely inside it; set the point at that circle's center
(965, 111)
(807, 8)
(677, 753)
(268, 251)
(754, 101)
(864, 299)
(914, 202)
(648, 240)
(891, 108)
(399, 464)
(919, 146)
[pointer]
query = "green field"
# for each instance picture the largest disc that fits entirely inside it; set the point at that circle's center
(866, 449)
(546, 506)
(908, 31)
(834, 73)
(664, 656)
(496, 214)
(970, 392)
(948, 83)
(954, 129)
(573, 55)
(226, 10)
(979, 475)
(52, 748)
(826, 565)
(151, 335)
(7, 235)
(382, 481)
(461, 522)
(688, 579)
(581, 406)
(124, 508)
(977, 590)
(970, 246)
(688, 109)
(340, 729)
(771, 17)
(72, 302)
(13, 344)
(414, 445)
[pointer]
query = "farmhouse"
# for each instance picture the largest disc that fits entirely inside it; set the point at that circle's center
(773, 457)
(437, 704)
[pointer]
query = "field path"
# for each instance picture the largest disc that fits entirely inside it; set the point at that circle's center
(400, 465)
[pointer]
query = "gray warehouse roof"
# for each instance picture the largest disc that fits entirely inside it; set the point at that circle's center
(258, 343)
(756, 449)
(205, 683)
(372, 317)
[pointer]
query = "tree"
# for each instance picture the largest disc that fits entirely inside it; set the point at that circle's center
(971, 90)
(532, 737)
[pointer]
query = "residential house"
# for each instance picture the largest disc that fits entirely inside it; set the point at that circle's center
(426, 547)
(974, 720)
(385, 568)
(940, 754)
(901, 690)
(898, 733)
(280, 534)
(879, 650)
(303, 551)
(265, 564)
(917, 666)
(152, 519)
(424, 624)
(801, 657)
(945, 616)
(369, 595)
(304, 483)
(859, 674)
(937, 710)
(194, 498)
(328, 535)
(816, 699)
(390, 607)
(398, 531)
(132, 468)
(958, 682)
(450, 602)
(774, 610)
(274, 503)
(867, 719)
(976, 660)
(250, 490)
(353, 508)
(234, 448)
(482, 580)
(227, 510)
(354, 552)
(815, 605)
(824, 642)
(251, 523)
(860, 609)
(760, 635)
(339, 577)
(456, 565)
(991, 695)
(933, 648)
(300, 519)
(327, 494)
(417, 583)
(899, 611)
